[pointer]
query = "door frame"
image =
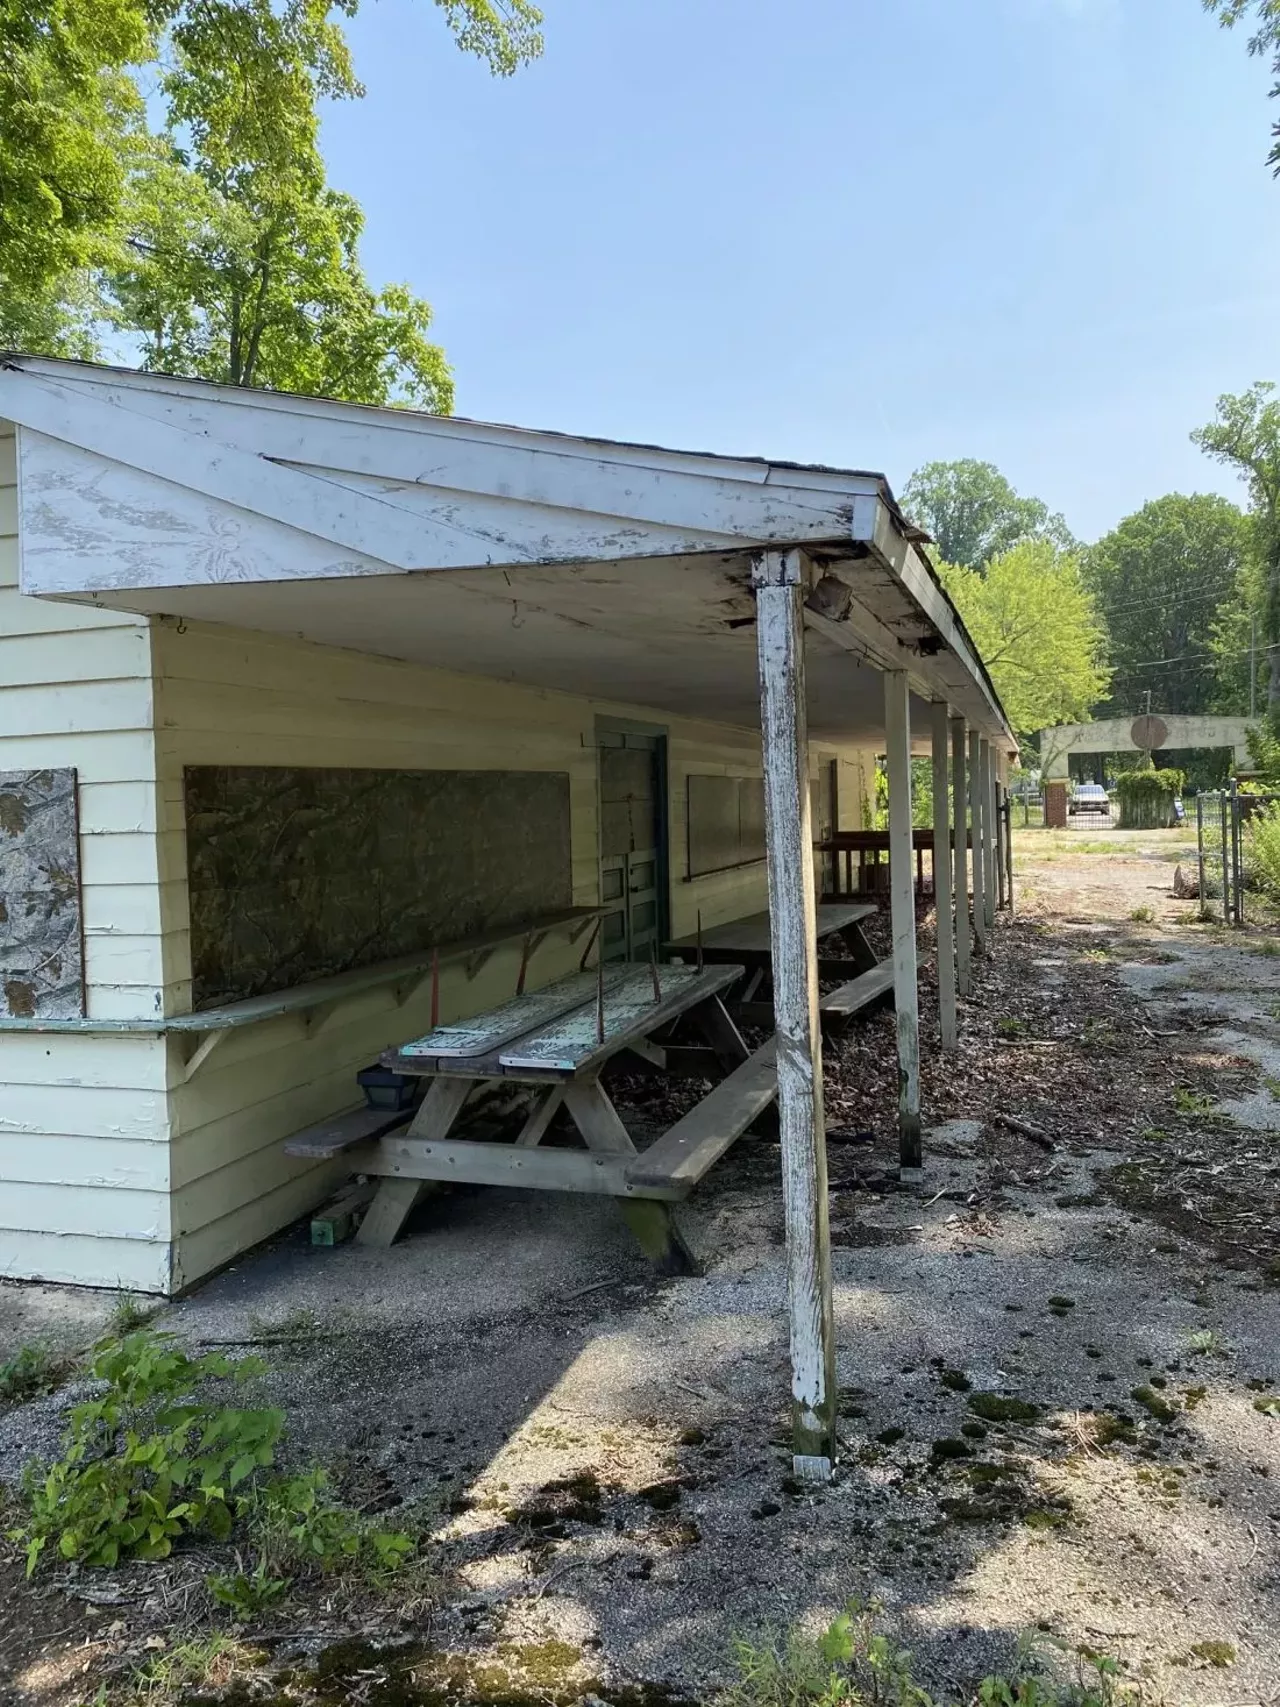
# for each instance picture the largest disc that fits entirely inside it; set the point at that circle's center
(660, 733)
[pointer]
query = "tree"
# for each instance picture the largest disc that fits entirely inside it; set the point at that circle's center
(1246, 436)
(217, 243)
(1265, 16)
(1161, 577)
(1036, 626)
(974, 513)
(67, 106)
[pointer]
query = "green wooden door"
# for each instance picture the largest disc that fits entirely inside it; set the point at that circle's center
(632, 843)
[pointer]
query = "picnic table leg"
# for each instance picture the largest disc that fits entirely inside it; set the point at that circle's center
(395, 1197)
(860, 950)
(712, 1020)
(650, 1221)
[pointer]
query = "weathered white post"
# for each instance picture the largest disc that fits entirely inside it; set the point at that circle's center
(988, 781)
(964, 926)
(902, 900)
(942, 878)
(976, 816)
(778, 577)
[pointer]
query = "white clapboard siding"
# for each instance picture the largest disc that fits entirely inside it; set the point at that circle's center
(88, 1259)
(110, 1213)
(75, 1163)
(84, 1125)
(91, 1111)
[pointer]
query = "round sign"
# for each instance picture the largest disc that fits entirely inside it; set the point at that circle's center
(1148, 733)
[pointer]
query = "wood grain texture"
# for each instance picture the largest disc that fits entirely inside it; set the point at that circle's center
(897, 712)
(779, 588)
(977, 822)
(946, 924)
(964, 924)
(988, 834)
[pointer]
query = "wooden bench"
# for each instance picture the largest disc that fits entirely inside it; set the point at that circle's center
(858, 993)
(693, 1145)
(329, 1138)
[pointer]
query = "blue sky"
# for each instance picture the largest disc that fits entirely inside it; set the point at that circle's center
(1039, 232)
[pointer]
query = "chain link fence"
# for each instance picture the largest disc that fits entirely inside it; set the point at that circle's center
(1221, 846)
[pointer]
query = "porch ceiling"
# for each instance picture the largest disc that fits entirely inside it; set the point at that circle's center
(673, 634)
(618, 572)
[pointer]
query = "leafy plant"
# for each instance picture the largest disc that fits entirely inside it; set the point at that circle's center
(1191, 1102)
(148, 1460)
(1143, 915)
(854, 1664)
(1262, 851)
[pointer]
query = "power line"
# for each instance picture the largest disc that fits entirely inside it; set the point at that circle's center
(1185, 595)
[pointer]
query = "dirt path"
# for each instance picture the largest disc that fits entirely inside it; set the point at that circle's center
(609, 1455)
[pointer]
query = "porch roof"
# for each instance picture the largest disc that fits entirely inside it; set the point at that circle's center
(617, 571)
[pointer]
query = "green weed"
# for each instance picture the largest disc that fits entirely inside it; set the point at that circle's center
(1191, 1102)
(1204, 1341)
(129, 1313)
(32, 1370)
(147, 1461)
(1143, 915)
(154, 1459)
(854, 1664)
(200, 1663)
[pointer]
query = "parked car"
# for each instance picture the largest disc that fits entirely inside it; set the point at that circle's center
(1090, 797)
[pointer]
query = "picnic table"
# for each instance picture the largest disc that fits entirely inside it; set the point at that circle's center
(557, 1041)
(747, 942)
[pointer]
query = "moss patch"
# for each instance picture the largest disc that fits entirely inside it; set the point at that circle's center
(994, 1407)
(1152, 1403)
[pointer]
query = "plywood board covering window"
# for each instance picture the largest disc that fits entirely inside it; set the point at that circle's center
(726, 822)
(298, 874)
(41, 950)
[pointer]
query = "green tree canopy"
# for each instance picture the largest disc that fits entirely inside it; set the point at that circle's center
(1245, 435)
(1161, 577)
(1264, 17)
(217, 244)
(1035, 623)
(974, 514)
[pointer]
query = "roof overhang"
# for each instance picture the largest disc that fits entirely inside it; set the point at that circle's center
(581, 565)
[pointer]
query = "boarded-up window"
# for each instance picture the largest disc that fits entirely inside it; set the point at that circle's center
(300, 874)
(726, 822)
(41, 960)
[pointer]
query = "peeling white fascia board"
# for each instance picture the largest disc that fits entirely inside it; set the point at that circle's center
(288, 422)
(913, 574)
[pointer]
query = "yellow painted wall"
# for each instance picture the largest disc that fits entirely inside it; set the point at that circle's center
(84, 1154)
(228, 696)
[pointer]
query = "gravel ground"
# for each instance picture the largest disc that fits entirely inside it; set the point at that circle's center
(607, 1454)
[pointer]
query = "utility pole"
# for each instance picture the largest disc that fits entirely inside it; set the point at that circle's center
(1253, 665)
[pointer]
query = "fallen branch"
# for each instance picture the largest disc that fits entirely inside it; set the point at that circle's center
(1037, 1134)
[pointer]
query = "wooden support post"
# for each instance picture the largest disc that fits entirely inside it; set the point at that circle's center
(897, 723)
(779, 587)
(988, 779)
(976, 816)
(1002, 834)
(1008, 851)
(946, 925)
(964, 925)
